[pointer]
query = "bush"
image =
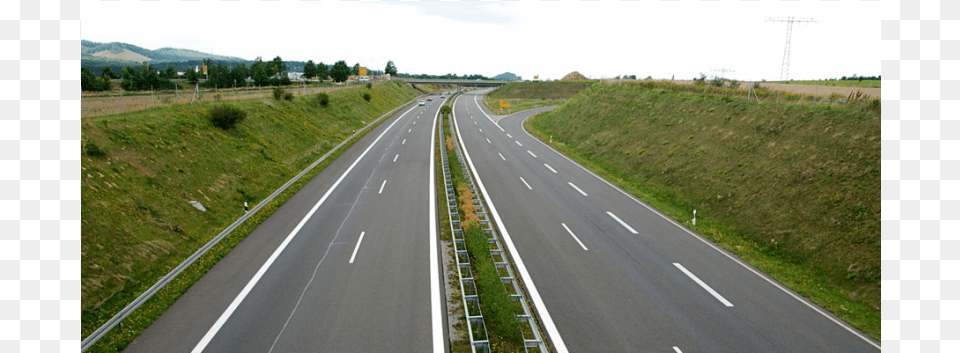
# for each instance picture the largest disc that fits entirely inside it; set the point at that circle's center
(323, 98)
(288, 96)
(226, 116)
(366, 96)
(93, 150)
(369, 85)
(277, 93)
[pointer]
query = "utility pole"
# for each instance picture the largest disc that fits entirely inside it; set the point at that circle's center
(785, 66)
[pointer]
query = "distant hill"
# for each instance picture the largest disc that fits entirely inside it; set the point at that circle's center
(96, 51)
(506, 76)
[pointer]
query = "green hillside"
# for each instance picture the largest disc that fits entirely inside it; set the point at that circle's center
(792, 189)
(140, 170)
(539, 90)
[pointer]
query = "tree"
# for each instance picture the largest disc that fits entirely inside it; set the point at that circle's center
(108, 73)
(258, 72)
(240, 74)
(309, 69)
(170, 72)
(323, 71)
(90, 82)
(391, 69)
(356, 69)
(278, 66)
(340, 71)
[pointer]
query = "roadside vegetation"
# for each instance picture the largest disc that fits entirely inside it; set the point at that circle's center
(530, 95)
(140, 171)
(791, 188)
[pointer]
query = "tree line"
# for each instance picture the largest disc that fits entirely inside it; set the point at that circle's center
(219, 74)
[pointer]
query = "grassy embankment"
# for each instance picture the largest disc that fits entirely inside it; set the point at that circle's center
(529, 95)
(792, 189)
(137, 223)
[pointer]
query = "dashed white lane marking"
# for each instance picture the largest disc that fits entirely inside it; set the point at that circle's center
(404, 142)
(395, 158)
(481, 130)
(501, 156)
(551, 168)
(675, 349)
(508, 135)
(531, 153)
(525, 183)
(381, 186)
(408, 130)
(574, 236)
(488, 141)
(578, 189)
(518, 143)
(624, 224)
(704, 285)
(357, 248)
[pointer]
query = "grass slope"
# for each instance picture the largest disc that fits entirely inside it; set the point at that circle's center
(539, 90)
(137, 223)
(792, 189)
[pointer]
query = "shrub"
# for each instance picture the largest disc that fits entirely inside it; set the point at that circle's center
(288, 96)
(226, 116)
(277, 93)
(323, 98)
(369, 85)
(93, 150)
(366, 96)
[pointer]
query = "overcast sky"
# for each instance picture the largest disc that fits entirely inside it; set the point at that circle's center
(661, 39)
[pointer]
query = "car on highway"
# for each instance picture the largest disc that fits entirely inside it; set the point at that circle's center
(429, 99)
(422, 102)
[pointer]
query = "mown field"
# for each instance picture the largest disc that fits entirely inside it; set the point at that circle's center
(140, 170)
(843, 83)
(792, 189)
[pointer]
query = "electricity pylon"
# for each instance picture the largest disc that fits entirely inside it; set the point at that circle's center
(785, 66)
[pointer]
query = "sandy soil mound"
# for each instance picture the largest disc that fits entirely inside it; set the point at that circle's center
(573, 76)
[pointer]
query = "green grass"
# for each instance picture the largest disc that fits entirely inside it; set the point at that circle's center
(517, 105)
(845, 83)
(137, 224)
(792, 189)
(539, 90)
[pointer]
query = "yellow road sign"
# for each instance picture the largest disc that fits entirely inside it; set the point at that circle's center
(504, 105)
(363, 71)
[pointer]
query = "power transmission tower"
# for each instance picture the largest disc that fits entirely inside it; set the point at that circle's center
(785, 66)
(722, 72)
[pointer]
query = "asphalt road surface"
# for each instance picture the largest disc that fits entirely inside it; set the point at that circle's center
(348, 264)
(610, 274)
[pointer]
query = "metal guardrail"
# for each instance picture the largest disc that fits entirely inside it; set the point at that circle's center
(499, 257)
(150, 292)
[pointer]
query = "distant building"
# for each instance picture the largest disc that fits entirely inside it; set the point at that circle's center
(296, 76)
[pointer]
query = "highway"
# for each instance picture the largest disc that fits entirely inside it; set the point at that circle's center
(613, 275)
(348, 264)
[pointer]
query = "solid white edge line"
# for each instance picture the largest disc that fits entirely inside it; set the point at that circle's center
(436, 311)
(715, 247)
(382, 185)
(501, 156)
(545, 317)
(551, 168)
(357, 248)
(580, 191)
(531, 153)
(485, 114)
(574, 236)
(704, 285)
(276, 253)
(525, 183)
(624, 224)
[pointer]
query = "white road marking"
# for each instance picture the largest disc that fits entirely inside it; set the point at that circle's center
(276, 253)
(395, 158)
(545, 317)
(574, 236)
(624, 224)
(704, 285)
(525, 183)
(716, 247)
(404, 142)
(381, 186)
(531, 153)
(488, 141)
(475, 122)
(357, 248)
(485, 114)
(501, 156)
(518, 143)
(675, 349)
(481, 130)
(508, 135)
(436, 311)
(578, 189)
(414, 123)
(408, 130)
(551, 169)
